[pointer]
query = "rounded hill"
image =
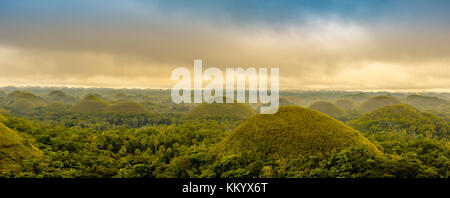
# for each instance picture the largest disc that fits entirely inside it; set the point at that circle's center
(22, 104)
(57, 94)
(424, 101)
(221, 110)
(60, 96)
(90, 104)
(293, 133)
(327, 108)
(377, 102)
(127, 107)
(345, 104)
(402, 117)
(13, 150)
(17, 97)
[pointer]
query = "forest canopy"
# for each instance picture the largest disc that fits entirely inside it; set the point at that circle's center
(141, 133)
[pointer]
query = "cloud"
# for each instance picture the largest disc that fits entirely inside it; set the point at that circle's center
(137, 44)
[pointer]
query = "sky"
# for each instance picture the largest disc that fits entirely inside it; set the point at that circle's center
(326, 44)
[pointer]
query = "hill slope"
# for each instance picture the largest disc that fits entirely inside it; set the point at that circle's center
(327, 108)
(377, 102)
(13, 150)
(424, 101)
(90, 104)
(221, 110)
(57, 95)
(60, 96)
(291, 134)
(345, 104)
(23, 101)
(402, 117)
(2, 118)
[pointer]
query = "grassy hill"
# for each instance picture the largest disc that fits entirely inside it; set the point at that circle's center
(221, 110)
(402, 117)
(13, 150)
(126, 107)
(327, 108)
(424, 101)
(57, 95)
(293, 133)
(22, 105)
(23, 100)
(90, 104)
(345, 104)
(60, 96)
(377, 102)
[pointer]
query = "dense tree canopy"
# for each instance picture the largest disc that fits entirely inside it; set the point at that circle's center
(53, 140)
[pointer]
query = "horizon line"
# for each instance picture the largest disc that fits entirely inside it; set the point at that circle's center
(434, 90)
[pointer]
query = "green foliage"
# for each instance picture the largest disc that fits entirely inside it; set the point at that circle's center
(41, 140)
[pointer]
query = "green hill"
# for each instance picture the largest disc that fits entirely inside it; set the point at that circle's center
(90, 104)
(57, 94)
(377, 102)
(16, 99)
(60, 96)
(293, 133)
(424, 101)
(221, 110)
(327, 108)
(22, 104)
(402, 117)
(345, 104)
(13, 150)
(127, 107)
